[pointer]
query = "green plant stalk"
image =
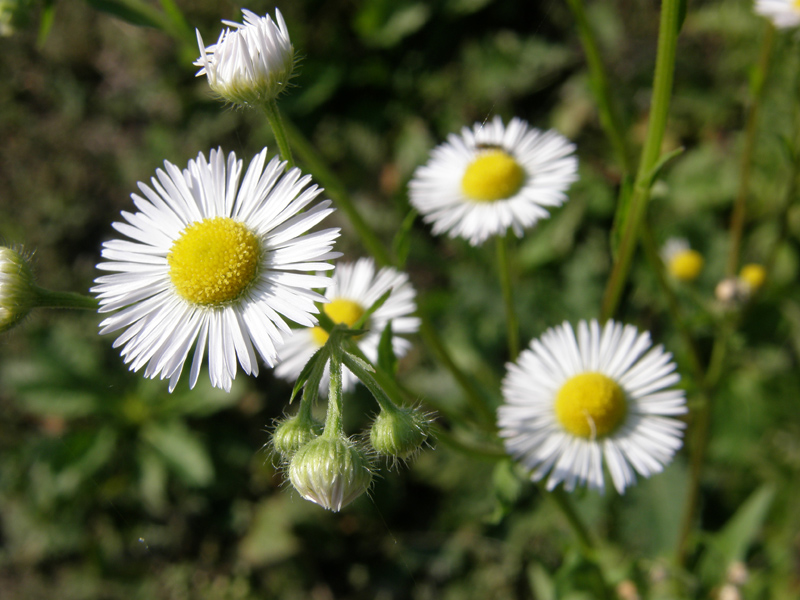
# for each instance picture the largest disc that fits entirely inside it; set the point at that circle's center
(512, 323)
(738, 216)
(49, 299)
(337, 192)
(659, 111)
(334, 422)
(479, 453)
(609, 115)
(279, 131)
(564, 505)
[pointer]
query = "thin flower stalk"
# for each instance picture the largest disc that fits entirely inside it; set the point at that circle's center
(659, 111)
(512, 323)
(279, 131)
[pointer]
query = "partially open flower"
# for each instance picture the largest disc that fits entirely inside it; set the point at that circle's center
(400, 432)
(330, 471)
(17, 294)
(250, 64)
(683, 263)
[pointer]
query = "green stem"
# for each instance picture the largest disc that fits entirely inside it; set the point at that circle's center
(479, 453)
(609, 116)
(49, 299)
(564, 505)
(512, 324)
(334, 422)
(337, 192)
(659, 111)
(278, 130)
(740, 204)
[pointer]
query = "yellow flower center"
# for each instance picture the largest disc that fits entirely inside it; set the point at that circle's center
(340, 311)
(494, 175)
(214, 261)
(686, 265)
(754, 275)
(591, 405)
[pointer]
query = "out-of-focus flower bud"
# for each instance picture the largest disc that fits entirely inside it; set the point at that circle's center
(399, 432)
(17, 293)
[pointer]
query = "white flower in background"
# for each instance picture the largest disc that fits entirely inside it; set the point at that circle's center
(214, 263)
(493, 178)
(572, 404)
(250, 64)
(356, 287)
(682, 263)
(782, 13)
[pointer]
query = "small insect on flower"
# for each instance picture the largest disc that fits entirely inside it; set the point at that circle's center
(212, 263)
(493, 178)
(572, 404)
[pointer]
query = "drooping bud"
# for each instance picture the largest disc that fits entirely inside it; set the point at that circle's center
(17, 294)
(400, 432)
(330, 471)
(294, 433)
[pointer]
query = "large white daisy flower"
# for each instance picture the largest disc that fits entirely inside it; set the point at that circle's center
(493, 178)
(214, 263)
(250, 64)
(354, 289)
(572, 404)
(782, 13)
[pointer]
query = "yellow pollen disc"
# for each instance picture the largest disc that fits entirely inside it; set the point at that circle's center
(214, 261)
(686, 265)
(754, 275)
(590, 405)
(340, 311)
(494, 175)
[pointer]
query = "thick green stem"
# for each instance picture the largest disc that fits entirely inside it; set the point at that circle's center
(512, 324)
(659, 111)
(49, 299)
(609, 115)
(278, 130)
(738, 216)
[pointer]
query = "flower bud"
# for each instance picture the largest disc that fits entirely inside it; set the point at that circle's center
(330, 471)
(17, 295)
(293, 433)
(399, 432)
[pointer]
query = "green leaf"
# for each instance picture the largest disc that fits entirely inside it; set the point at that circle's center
(375, 306)
(181, 450)
(662, 161)
(732, 542)
(132, 11)
(85, 455)
(386, 358)
(401, 244)
(46, 23)
(320, 355)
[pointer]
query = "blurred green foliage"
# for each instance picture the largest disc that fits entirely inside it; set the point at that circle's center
(112, 488)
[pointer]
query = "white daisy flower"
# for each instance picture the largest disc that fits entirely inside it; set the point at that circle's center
(683, 263)
(782, 13)
(573, 404)
(250, 64)
(214, 263)
(493, 178)
(354, 288)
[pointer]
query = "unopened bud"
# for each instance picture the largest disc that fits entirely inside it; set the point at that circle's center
(330, 471)
(294, 433)
(17, 295)
(400, 432)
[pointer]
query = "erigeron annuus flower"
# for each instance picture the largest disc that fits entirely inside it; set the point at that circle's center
(493, 178)
(354, 289)
(572, 404)
(782, 13)
(683, 263)
(250, 64)
(753, 276)
(17, 293)
(214, 263)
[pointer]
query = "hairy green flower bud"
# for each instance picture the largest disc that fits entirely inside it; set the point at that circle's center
(17, 294)
(294, 433)
(331, 471)
(399, 433)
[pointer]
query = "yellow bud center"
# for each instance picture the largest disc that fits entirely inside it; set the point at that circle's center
(214, 261)
(340, 311)
(494, 175)
(590, 405)
(686, 265)
(753, 275)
